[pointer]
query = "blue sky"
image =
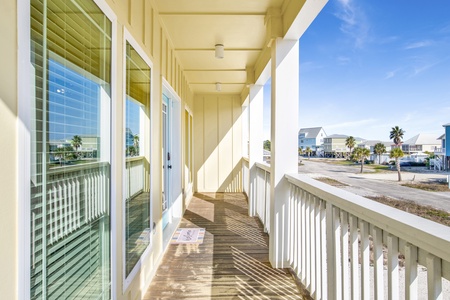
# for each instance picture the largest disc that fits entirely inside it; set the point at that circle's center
(366, 66)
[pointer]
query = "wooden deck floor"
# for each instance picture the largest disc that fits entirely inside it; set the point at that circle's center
(232, 262)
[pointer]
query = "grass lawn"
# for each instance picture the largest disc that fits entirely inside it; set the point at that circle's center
(435, 186)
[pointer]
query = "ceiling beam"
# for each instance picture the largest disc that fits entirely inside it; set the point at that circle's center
(226, 14)
(212, 49)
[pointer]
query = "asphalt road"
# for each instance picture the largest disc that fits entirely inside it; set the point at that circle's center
(377, 184)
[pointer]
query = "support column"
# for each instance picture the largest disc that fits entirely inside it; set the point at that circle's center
(284, 155)
(255, 141)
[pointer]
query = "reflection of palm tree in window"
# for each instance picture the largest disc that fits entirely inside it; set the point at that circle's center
(136, 143)
(76, 143)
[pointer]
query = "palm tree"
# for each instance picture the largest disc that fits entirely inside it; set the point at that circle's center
(361, 154)
(350, 143)
(397, 153)
(308, 151)
(379, 149)
(300, 151)
(136, 143)
(266, 145)
(396, 135)
(76, 143)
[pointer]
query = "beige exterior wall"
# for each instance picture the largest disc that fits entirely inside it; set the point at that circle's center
(217, 143)
(9, 250)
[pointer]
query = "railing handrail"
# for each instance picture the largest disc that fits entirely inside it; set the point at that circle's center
(79, 167)
(245, 158)
(264, 166)
(425, 234)
(134, 158)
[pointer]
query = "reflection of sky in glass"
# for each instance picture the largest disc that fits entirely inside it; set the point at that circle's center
(73, 106)
(132, 111)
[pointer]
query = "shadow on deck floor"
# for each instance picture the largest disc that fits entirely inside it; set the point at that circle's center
(231, 263)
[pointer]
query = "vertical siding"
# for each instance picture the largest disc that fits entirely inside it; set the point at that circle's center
(217, 143)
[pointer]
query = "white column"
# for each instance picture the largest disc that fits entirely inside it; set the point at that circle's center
(255, 141)
(284, 123)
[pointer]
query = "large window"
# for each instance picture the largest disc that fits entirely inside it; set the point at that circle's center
(70, 150)
(137, 182)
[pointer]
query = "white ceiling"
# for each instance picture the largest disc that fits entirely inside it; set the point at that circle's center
(195, 26)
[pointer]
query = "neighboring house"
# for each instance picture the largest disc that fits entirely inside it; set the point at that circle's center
(418, 144)
(334, 145)
(371, 145)
(442, 152)
(312, 138)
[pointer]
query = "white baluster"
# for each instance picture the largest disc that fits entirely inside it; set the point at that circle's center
(308, 240)
(50, 201)
(69, 206)
(345, 251)
(365, 257)
(434, 277)
(411, 278)
(303, 243)
(86, 200)
(318, 247)
(354, 238)
(377, 235)
(323, 248)
(338, 251)
(312, 220)
(78, 203)
(393, 290)
(61, 211)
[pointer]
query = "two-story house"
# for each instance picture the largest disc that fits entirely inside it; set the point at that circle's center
(312, 138)
(420, 143)
(334, 145)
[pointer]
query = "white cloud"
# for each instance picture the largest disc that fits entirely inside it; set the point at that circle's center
(354, 22)
(390, 74)
(419, 44)
(343, 60)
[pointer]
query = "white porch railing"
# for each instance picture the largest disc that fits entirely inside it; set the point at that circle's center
(343, 246)
(135, 174)
(76, 195)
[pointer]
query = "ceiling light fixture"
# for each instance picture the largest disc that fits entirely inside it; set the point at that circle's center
(218, 86)
(219, 51)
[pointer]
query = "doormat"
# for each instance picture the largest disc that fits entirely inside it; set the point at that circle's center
(188, 236)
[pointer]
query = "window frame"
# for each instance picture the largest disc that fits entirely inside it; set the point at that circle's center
(128, 38)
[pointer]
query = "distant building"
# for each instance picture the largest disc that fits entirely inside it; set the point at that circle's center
(370, 144)
(442, 152)
(334, 145)
(312, 138)
(418, 144)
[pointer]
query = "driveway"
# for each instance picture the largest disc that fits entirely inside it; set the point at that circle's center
(379, 183)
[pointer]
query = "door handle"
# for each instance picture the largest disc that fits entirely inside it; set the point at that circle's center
(169, 166)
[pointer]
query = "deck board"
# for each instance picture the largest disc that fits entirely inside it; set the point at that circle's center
(231, 263)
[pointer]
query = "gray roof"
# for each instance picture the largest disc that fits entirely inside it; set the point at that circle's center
(338, 136)
(445, 125)
(374, 142)
(441, 137)
(422, 139)
(343, 136)
(312, 132)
